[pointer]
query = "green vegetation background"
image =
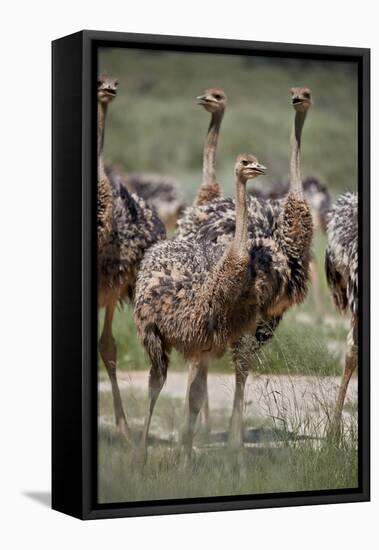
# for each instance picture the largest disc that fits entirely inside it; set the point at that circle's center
(156, 125)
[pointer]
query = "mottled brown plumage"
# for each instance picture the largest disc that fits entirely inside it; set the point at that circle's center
(342, 252)
(159, 192)
(315, 192)
(126, 228)
(318, 198)
(199, 299)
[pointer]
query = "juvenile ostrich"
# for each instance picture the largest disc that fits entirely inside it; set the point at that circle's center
(341, 265)
(158, 191)
(279, 230)
(214, 101)
(188, 297)
(126, 227)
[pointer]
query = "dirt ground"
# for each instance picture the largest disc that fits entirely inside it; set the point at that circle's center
(299, 404)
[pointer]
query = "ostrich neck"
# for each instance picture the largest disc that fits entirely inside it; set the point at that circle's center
(227, 280)
(295, 172)
(296, 225)
(240, 236)
(210, 146)
(101, 116)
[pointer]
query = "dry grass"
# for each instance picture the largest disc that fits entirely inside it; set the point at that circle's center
(280, 453)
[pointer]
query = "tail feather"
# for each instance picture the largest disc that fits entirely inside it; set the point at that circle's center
(154, 346)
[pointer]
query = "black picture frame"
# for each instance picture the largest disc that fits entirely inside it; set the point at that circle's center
(74, 314)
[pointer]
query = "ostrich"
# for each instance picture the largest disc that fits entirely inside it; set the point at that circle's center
(126, 227)
(188, 298)
(341, 266)
(158, 191)
(283, 226)
(214, 101)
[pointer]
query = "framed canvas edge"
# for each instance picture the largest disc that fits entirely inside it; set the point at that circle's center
(91, 510)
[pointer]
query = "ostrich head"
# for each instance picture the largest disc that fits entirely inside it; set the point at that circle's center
(301, 99)
(106, 88)
(213, 100)
(247, 167)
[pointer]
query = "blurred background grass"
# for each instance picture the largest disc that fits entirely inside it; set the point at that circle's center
(155, 124)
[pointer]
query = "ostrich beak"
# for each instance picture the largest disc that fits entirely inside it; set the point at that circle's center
(201, 99)
(259, 168)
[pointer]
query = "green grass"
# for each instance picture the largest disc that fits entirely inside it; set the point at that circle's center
(155, 124)
(251, 472)
(292, 465)
(306, 343)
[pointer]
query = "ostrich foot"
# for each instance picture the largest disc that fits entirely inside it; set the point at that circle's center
(334, 434)
(235, 439)
(139, 458)
(203, 436)
(124, 430)
(186, 458)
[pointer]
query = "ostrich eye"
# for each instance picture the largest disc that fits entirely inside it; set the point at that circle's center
(307, 95)
(99, 83)
(218, 97)
(245, 162)
(116, 83)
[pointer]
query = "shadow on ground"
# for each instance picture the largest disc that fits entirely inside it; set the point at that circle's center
(42, 497)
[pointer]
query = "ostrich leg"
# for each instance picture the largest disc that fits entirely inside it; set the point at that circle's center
(350, 366)
(205, 417)
(243, 354)
(241, 365)
(203, 425)
(157, 378)
(108, 352)
(196, 392)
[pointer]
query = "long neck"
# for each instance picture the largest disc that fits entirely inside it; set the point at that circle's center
(104, 192)
(295, 229)
(101, 116)
(210, 147)
(239, 245)
(209, 188)
(295, 171)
